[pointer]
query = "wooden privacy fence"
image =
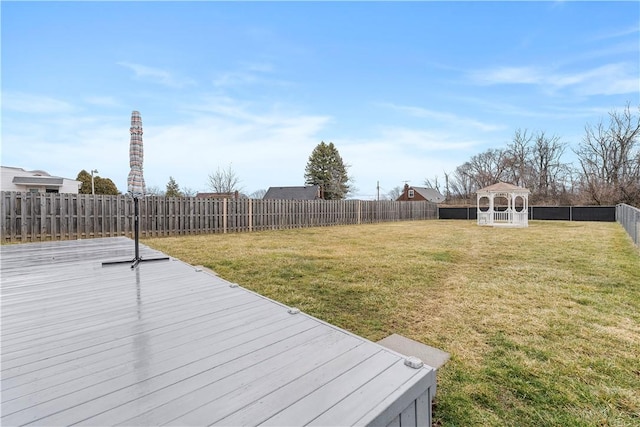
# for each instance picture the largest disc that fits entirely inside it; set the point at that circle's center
(28, 217)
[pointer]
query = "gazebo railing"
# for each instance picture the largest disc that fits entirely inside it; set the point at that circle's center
(506, 217)
(503, 216)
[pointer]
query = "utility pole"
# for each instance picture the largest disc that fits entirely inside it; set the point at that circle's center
(93, 187)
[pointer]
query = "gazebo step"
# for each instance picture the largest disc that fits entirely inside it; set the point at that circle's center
(429, 355)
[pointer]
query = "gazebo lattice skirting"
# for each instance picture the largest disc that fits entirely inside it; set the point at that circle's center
(514, 214)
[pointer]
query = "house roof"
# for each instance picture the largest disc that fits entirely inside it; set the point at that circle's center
(36, 172)
(168, 343)
(431, 194)
(38, 180)
(501, 187)
(20, 176)
(307, 192)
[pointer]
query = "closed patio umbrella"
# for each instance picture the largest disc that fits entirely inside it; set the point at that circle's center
(135, 181)
(135, 184)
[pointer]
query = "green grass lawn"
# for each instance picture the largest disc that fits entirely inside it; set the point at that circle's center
(542, 323)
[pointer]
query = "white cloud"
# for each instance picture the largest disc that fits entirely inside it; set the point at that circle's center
(64, 147)
(262, 67)
(249, 74)
(509, 75)
(418, 140)
(537, 111)
(265, 148)
(609, 79)
(399, 155)
(103, 101)
(234, 79)
(34, 104)
(616, 33)
(269, 148)
(157, 75)
(448, 118)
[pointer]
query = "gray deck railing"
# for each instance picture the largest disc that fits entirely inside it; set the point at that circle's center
(629, 218)
(27, 217)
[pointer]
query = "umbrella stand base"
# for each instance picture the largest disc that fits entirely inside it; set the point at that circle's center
(137, 259)
(134, 262)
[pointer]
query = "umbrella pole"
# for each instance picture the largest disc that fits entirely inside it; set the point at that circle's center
(136, 231)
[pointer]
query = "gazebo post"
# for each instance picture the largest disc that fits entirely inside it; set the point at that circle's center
(492, 209)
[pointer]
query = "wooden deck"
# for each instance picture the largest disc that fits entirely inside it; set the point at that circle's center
(167, 344)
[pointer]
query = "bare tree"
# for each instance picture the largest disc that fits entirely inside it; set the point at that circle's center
(549, 173)
(447, 188)
(258, 194)
(609, 157)
(462, 184)
(432, 184)
(488, 167)
(188, 191)
(153, 190)
(224, 181)
(518, 159)
(394, 193)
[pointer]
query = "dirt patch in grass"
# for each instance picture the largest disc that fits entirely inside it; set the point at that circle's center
(542, 323)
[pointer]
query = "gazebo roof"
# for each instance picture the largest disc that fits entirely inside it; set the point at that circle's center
(503, 187)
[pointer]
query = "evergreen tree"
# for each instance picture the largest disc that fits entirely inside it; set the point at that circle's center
(101, 185)
(105, 186)
(85, 178)
(326, 169)
(173, 189)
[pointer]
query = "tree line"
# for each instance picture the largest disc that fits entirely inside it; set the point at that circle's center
(607, 170)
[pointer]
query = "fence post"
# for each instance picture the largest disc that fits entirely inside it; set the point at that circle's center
(23, 217)
(224, 215)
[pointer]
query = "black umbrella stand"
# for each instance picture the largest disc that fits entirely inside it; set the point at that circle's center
(136, 237)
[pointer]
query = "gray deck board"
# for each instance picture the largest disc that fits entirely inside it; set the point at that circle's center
(165, 343)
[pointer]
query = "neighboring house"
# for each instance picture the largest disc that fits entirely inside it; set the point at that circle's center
(419, 194)
(37, 181)
(233, 195)
(307, 192)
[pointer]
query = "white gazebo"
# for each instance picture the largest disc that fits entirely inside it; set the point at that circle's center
(504, 205)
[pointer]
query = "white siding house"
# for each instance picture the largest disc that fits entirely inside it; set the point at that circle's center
(37, 181)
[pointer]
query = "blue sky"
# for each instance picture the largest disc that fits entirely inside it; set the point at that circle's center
(406, 91)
